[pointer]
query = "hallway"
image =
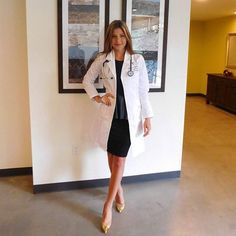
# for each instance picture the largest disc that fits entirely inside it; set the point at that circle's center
(199, 203)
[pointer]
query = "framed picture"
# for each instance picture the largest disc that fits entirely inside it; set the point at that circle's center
(147, 21)
(81, 30)
(231, 51)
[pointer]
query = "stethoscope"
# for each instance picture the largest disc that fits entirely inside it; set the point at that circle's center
(130, 72)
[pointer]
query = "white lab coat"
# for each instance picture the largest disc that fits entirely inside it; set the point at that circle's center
(136, 90)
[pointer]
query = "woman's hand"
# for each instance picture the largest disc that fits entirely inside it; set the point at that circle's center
(147, 126)
(105, 99)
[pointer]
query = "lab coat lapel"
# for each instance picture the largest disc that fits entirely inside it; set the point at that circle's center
(111, 63)
(125, 66)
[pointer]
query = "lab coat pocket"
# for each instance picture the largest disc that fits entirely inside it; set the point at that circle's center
(103, 111)
(137, 121)
(106, 112)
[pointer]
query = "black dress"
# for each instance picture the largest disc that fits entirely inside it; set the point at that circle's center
(119, 137)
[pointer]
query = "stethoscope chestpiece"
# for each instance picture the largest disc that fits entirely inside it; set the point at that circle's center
(130, 73)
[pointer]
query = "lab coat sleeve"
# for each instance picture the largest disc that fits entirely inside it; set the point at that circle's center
(91, 76)
(144, 89)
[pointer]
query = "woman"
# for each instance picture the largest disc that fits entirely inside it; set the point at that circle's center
(125, 110)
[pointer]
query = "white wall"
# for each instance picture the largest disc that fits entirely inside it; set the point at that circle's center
(60, 122)
(15, 147)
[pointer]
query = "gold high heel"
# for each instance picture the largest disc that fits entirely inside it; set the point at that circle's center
(120, 207)
(105, 228)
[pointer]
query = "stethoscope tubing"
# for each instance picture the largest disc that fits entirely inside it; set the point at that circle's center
(130, 73)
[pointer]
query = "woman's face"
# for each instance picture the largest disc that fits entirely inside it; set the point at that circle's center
(118, 41)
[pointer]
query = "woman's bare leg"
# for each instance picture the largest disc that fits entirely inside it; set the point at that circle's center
(117, 170)
(119, 195)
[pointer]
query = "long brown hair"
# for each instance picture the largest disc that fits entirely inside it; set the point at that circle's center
(108, 37)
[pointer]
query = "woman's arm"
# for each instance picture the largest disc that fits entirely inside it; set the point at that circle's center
(144, 89)
(89, 79)
(146, 108)
(91, 76)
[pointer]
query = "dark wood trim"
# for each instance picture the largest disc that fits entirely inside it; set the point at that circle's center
(124, 10)
(221, 91)
(59, 46)
(222, 108)
(195, 94)
(16, 171)
(164, 50)
(107, 15)
(102, 182)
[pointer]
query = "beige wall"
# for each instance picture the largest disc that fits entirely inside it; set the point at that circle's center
(15, 150)
(207, 51)
(195, 61)
(216, 32)
(60, 123)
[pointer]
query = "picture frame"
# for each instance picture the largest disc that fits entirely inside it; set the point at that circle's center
(231, 51)
(147, 21)
(81, 31)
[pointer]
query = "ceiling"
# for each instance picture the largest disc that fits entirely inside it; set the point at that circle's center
(212, 9)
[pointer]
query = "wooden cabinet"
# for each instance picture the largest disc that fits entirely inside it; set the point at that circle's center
(221, 91)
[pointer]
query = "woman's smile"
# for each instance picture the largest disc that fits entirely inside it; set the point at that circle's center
(118, 39)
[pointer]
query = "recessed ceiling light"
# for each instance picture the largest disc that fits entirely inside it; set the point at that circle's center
(235, 12)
